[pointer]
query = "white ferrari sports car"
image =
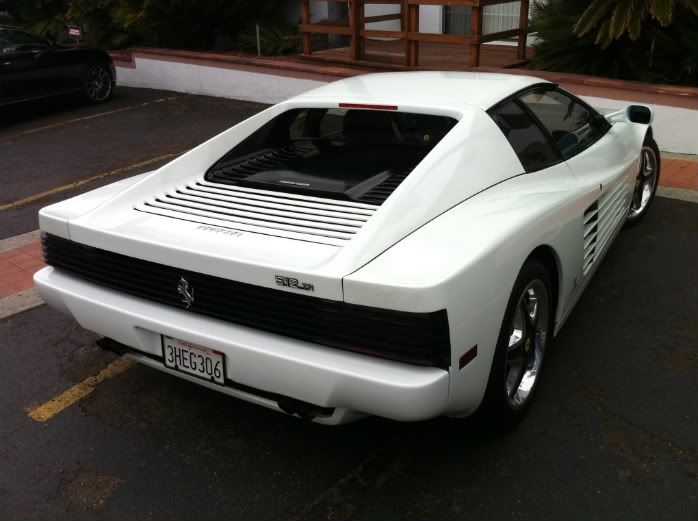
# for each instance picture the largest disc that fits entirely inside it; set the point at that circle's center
(403, 245)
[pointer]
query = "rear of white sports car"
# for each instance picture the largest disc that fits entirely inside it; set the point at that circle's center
(317, 258)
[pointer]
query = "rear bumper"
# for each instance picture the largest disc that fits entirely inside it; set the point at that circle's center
(351, 384)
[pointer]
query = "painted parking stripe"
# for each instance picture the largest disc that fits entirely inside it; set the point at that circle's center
(75, 184)
(11, 243)
(84, 118)
(77, 392)
(21, 301)
(681, 194)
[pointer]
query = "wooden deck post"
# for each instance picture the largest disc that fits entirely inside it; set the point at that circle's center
(523, 35)
(362, 26)
(355, 26)
(412, 26)
(475, 33)
(305, 19)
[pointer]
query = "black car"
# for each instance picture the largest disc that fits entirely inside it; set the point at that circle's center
(33, 67)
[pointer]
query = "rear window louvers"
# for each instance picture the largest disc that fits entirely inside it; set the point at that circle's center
(591, 221)
(293, 216)
(237, 170)
(380, 193)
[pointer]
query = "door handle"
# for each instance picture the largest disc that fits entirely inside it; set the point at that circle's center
(5, 64)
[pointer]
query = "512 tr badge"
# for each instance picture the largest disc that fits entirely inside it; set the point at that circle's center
(290, 282)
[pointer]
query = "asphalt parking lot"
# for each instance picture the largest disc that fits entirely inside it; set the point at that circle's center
(613, 434)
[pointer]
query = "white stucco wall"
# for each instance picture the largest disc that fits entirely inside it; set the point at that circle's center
(675, 129)
(212, 81)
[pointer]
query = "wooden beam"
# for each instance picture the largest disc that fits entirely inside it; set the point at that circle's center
(463, 3)
(394, 59)
(362, 26)
(377, 33)
(475, 34)
(355, 27)
(500, 35)
(412, 27)
(382, 17)
(440, 38)
(523, 25)
(325, 28)
(305, 20)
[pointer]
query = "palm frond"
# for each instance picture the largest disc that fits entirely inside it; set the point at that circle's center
(597, 11)
(662, 10)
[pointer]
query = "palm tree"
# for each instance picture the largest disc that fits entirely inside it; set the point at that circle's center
(613, 18)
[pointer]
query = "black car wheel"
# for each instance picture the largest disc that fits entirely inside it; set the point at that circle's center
(98, 84)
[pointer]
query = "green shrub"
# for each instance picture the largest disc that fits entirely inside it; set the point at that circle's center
(659, 54)
(274, 40)
(179, 24)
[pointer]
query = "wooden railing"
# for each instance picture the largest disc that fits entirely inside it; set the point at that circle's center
(409, 29)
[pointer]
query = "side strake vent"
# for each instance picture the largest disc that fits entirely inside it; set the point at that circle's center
(293, 216)
(613, 207)
(591, 230)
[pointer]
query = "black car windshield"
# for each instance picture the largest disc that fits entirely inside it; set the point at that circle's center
(353, 154)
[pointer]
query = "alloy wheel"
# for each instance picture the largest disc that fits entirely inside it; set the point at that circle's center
(645, 183)
(98, 83)
(527, 342)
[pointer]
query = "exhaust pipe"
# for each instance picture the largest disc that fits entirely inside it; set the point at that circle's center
(112, 346)
(304, 410)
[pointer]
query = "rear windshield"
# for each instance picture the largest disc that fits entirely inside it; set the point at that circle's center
(351, 154)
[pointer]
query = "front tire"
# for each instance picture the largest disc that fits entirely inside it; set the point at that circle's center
(646, 182)
(523, 340)
(98, 84)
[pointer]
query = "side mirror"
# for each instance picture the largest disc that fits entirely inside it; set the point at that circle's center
(633, 113)
(639, 114)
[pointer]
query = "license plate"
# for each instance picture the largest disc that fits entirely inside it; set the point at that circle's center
(193, 359)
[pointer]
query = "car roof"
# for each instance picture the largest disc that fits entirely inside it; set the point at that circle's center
(481, 89)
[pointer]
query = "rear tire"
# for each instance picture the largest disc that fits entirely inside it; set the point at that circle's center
(646, 182)
(98, 84)
(523, 340)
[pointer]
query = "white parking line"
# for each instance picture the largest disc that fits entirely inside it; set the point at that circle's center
(13, 304)
(19, 240)
(678, 193)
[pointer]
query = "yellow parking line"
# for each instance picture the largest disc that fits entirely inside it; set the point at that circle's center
(77, 392)
(69, 121)
(84, 118)
(75, 184)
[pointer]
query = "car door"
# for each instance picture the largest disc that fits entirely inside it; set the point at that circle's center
(597, 157)
(28, 66)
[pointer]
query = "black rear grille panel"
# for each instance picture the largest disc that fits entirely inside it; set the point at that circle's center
(413, 338)
(232, 171)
